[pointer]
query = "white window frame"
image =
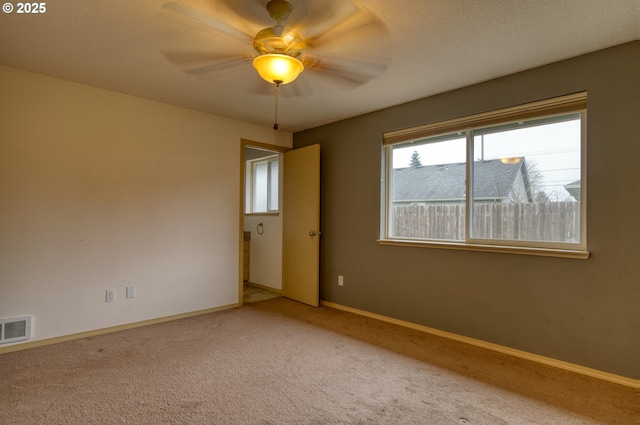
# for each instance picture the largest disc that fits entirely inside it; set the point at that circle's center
(574, 103)
(251, 184)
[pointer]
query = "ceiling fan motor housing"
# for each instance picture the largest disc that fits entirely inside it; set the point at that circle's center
(279, 10)
(278, 39)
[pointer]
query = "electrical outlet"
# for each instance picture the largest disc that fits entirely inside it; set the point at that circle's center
(111, 295)
(340, 281)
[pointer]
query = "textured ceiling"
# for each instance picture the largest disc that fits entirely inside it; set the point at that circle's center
(429, 46)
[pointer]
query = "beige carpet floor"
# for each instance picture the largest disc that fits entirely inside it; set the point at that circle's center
(281, 362)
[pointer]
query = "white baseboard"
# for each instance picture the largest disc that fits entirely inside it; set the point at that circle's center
(594, 373)
(268, 288)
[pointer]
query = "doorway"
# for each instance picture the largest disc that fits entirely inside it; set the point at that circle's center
(261, 221)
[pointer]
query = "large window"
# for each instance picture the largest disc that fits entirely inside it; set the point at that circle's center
(262, 185)
(513, 178)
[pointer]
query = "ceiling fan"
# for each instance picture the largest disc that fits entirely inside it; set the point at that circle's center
(325, 38)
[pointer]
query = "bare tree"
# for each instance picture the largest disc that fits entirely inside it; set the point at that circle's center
(536, 188)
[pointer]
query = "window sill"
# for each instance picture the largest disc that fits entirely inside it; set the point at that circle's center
(544, 252)
(263, 214)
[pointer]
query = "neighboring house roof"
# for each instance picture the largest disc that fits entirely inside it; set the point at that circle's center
(493, 180)
(574, 189)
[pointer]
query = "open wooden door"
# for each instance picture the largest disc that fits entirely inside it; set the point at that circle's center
(301, 225)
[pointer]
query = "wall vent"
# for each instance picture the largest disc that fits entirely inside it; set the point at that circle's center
(15, 329)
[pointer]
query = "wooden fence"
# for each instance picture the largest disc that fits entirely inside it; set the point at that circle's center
(551, 222)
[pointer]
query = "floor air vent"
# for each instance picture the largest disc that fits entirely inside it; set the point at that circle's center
(15, 329)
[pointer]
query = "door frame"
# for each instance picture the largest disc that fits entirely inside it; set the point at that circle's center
(245, 143)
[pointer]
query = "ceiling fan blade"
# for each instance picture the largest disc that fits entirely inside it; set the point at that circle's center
(299, 88)
(253, 11)
(186, 57)
(328, 15)
(352, 70)
(361, 24)
(214, 68)
(203, 63)
(179, 13)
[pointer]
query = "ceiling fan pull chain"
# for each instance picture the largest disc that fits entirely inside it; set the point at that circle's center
(275, 124)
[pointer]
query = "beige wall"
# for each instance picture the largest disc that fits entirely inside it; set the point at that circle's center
(585, 312)
(103, 190)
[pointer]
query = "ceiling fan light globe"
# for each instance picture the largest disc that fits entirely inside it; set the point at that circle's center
(278, 69)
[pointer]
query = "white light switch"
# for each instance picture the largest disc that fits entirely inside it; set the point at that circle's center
(131, 292)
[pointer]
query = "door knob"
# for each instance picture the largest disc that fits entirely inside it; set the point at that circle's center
(312, 233)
